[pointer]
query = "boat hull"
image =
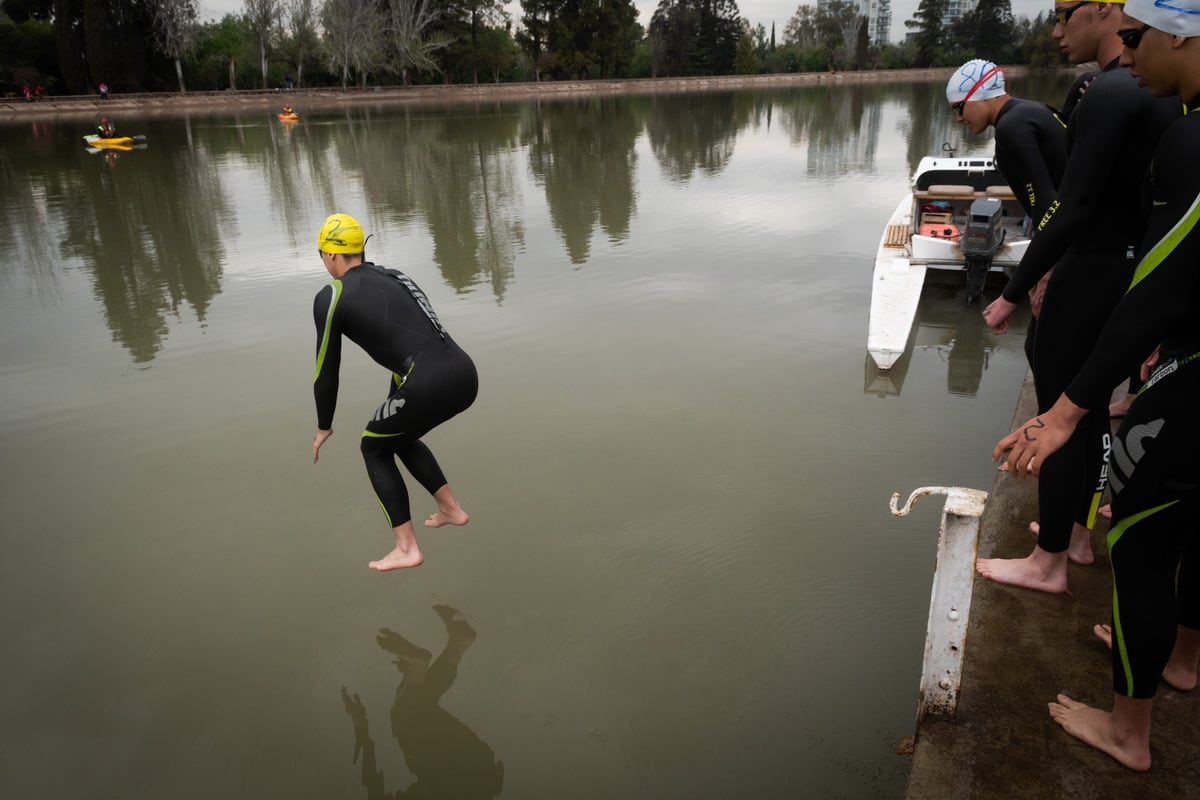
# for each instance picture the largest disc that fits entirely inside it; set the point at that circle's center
(917, 240)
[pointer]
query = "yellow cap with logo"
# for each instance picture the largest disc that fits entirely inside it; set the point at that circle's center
(341, 233)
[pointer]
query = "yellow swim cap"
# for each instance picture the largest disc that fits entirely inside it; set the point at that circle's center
(340, 234)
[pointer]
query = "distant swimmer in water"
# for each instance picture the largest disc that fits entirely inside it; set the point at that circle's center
(386, 314)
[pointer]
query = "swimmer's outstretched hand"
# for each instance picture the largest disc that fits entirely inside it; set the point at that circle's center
(1032, 443)
(996, 315)
(319, 440)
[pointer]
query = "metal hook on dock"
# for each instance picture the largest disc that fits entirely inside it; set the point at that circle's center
(959, 500)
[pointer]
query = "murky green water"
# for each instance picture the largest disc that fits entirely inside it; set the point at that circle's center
(680, 578)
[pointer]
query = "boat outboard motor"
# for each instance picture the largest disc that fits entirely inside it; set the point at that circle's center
(980, 240)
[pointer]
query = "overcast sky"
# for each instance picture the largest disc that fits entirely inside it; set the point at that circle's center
(757, 11)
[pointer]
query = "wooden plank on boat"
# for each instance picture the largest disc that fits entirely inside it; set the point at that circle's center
(896, 236)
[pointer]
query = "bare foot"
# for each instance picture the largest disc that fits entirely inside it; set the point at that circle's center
(1045, 572)
(1104, 634)
(1096, 728)
(398, 559)
(1179, 676)
(1080, 549)
(1105, 511)
(447, 516)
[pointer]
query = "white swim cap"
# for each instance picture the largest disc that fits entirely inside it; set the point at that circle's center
(980, 79)
(1177, 17)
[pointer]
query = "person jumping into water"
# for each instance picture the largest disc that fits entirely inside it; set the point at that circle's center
(386, 314)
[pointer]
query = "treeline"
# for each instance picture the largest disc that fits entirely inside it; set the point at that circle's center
(71, 46)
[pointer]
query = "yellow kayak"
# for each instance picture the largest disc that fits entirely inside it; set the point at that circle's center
(289, 117)
(113, 143)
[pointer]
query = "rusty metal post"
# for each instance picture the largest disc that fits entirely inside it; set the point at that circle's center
(950, 602)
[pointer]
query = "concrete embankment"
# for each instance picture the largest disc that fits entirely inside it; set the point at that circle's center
(1023, 648)
(137, 105)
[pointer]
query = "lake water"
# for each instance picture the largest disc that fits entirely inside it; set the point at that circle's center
(680, 579)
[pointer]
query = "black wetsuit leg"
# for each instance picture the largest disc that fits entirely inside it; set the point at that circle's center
(1156, 494)
(1082, 291)
(441, 383)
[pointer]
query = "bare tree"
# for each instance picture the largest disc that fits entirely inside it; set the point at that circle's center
(354, 32)
(843, 21)
(411, 47)
(263, 17)
(174, 31)
(302, 20)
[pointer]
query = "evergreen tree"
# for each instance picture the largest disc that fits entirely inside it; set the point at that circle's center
(534, 36)
(746, 58)
(616, 37)
(695, 37)
(927, 22)
(466, 23)
(1038, 48)
(987, 31)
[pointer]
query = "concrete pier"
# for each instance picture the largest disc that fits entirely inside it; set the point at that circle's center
(1024, 647)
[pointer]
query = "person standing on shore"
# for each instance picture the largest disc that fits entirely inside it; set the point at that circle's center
(1090, 237)
(1156, 477)
(386, 314)
(103, 90)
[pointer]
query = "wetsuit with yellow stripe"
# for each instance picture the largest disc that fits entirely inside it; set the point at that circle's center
(1090, 235)
(386, 314)
(1155, 471)
(1031, 153)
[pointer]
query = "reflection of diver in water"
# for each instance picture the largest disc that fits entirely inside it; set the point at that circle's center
(447, 758)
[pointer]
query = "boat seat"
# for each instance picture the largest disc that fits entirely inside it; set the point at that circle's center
(1002, 192)
(896, 235)
(946, 190)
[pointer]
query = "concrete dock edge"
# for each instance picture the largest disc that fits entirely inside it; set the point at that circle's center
(1023, 648)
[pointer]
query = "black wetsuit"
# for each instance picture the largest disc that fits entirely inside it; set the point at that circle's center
(1090, 235)
(1075, 93)
(1031, 154)
(387, 315)
(1154, 472)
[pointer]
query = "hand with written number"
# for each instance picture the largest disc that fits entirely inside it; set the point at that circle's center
(1032, 443)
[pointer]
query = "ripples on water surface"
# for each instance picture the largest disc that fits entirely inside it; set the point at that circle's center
(680, 579)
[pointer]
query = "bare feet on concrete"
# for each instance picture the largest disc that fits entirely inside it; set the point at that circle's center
(1123, 733)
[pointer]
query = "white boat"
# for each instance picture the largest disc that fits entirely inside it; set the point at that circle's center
(954, 203)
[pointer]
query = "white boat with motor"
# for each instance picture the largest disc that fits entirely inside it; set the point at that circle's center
(958, 216)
